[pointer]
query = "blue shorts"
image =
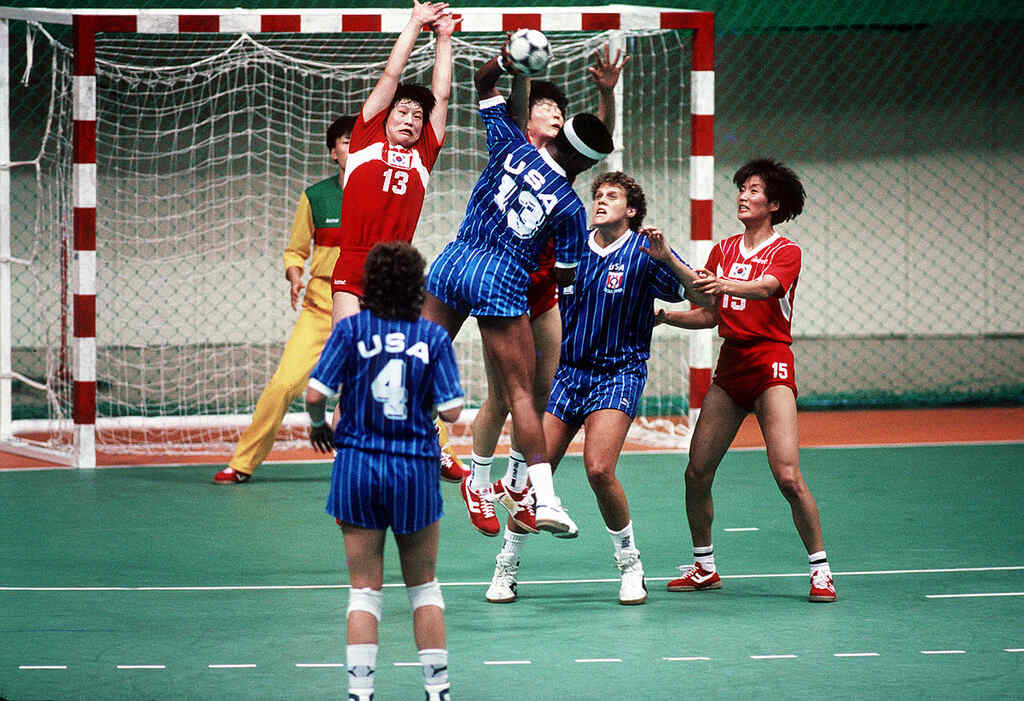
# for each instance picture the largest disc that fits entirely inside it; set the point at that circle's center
(376, 490)
(577, 392)
(478, 282)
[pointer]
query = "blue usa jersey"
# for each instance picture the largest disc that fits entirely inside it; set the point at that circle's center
(391, 375)
(522, 198)
(608, 312)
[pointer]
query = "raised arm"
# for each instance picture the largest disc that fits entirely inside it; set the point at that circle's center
(605, 74)
(661, 251)
(519, 101)
(384, 91)
(441, 82)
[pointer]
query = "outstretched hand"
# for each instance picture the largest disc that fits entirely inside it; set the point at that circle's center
(708, 283)
(446, 24)
(659, 248)
(605, 72)
(321, 439)
(428, 12)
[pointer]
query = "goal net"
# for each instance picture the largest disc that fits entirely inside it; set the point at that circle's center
(204, 142)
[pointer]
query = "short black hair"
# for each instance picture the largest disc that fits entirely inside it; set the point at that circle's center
(393, 281)
(414, 93)
(635, 197)
(546, 90)
(781, 185)
(342, 126)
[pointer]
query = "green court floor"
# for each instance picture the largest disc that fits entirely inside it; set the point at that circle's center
(152, 583)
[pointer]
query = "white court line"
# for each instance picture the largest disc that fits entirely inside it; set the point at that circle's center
(971, 596)
(855, 654)
(407, 664)
(502, 662)
(317, 665)
(1013, 649)
(588, 660)
(42, 666)
(302, 587)
(943, 652)
(773, 657)
(684, 659)
(141, 666)
(231, 666)
(740, 530)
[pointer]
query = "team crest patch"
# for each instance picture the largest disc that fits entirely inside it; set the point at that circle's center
(616, 273)
(740, 271)
(399, 159)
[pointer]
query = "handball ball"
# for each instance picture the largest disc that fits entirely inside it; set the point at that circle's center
(529, 50)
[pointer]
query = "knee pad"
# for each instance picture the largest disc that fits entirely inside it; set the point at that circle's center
(368, 600)
(428, 594)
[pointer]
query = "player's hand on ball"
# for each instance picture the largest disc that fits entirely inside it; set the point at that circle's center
(321, 438)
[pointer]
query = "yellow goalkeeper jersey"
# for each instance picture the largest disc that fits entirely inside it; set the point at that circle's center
(316, 229)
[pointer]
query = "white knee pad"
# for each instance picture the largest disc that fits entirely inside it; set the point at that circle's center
(369, 600)
(428, 594)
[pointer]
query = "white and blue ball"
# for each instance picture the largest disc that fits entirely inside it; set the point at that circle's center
(529, 50)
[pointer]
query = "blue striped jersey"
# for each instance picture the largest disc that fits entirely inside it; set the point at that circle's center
(522, 198)
(391, 375)
(608, 312)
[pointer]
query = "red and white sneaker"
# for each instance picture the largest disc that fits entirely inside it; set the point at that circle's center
(822, 587)
(695, 578)
(452, 469)
(230, 475)
(480, 506)
(518, 504)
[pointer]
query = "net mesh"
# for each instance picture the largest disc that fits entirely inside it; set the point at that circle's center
(204, 143)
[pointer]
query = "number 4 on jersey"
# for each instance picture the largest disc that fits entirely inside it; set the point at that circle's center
(388, 388)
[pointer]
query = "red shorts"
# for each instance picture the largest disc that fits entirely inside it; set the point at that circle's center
(542, 294)
(746, 371)
(348, 273)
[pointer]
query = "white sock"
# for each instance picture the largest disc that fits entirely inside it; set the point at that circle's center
(513, 543)
(515, 476)
(481, 476)
(819, 561)
(623, 540)
(704, 555)
(435, 666)
(543, 485)
(361, 660)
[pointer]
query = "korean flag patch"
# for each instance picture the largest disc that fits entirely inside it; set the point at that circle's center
(399, 159)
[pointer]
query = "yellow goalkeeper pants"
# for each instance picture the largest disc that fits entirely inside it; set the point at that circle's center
(311, 331)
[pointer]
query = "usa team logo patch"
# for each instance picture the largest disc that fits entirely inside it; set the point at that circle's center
(616, 273)
(399, 159)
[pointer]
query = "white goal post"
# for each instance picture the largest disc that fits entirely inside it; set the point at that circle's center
(71, 431)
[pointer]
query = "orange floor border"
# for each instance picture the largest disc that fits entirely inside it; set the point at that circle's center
(817, 428)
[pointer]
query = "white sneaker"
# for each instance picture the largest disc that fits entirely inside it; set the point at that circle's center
(503, 583)
(633, 589)
(553, 518)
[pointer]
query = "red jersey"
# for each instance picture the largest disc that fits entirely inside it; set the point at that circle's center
(745, 320)
(384, 185)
